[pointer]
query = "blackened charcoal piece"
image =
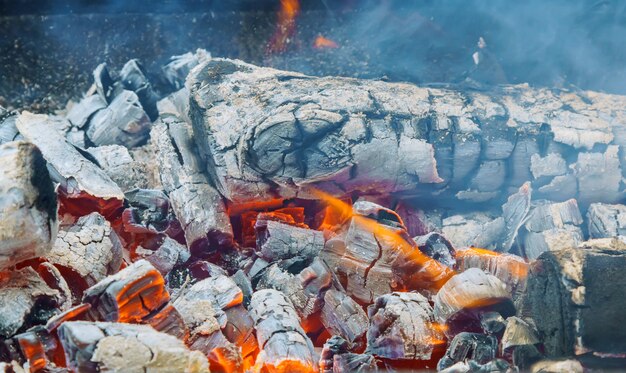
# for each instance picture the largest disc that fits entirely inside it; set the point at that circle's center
(243, 282)
(284, 345)
(599, 176)
(129, 295)
(606, 220)
(462, 299)
(80, 114)
(550, 165)
(479, 348)
(520, 343)
(548, 215)
(25, 300)
(480, 230)
(513, 212)
(117, 347)
(177, 69)
(344, 317)
(133, 77)
(105, 85)
(277, 241)
(575, 296)
(8, 129)
(118, 163)
(379, 213)
(492, 322)
(436, 246)
(167, 320)
(335, 357)
(123, 122)
(169, 254)
(28, 204)
(87, 252)
(402, 326)
(81, 180)
(149, 208)
(553, 239)
(36, 348)
(197, 205)
(418, 222)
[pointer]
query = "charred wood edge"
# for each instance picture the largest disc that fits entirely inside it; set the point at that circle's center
(276, 241)
(336, 357)
(66, 161)
(344, 317)
(28, 204)
(482, 139)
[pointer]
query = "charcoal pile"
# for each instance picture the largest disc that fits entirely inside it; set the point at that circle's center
(267, 221)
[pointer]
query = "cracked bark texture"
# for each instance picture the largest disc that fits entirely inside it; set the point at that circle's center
(114, 347)
(28, 204)
(267, 133)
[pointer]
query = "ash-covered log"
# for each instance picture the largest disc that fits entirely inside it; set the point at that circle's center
(344, 317)
(478, 348)
(116, 347)
(284, 345)
(520, 343)
(278, 241)
(267, 133)
(28, 204)
(575, 296)
(8, 129)
(336, 357)
(118, 163)
(606, 220)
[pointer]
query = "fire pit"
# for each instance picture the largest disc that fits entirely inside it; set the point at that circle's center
(286, 186)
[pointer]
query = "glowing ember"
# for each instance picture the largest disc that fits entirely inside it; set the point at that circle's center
(324, 43)
(285, 26)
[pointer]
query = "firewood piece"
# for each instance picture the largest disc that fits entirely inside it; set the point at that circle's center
(511, 269)
(25, 300)
(116, 347)
(344, 317)
(276, 241)
(284, 345)
(133, 77)
(480, 230)
(575, 296)
(513, 212)
(492, 323)
(606, 220)
(149, 208)
(402, 326)
(168, 320)
(129, 295)
(87, 252)
(177, 69)
(119, 165)
(466, 295)
(28, 204)
(418, 222)
(479, 348)
(244, 283)
(379, 213)
(520, 342)
(548, 215)
(80, 178)
(196, 204)
(436, 246)
(599, 176)
(168, 255)
(123, 122)
(553, 239)
(335, 357)
(80, 114)
(550, 165)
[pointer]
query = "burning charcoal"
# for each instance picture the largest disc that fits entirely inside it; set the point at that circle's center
(492, 323)
(335, 357)
(575, 296)
(133, 77)
(557, 366)
(119, 165)
(606, 220)
(418, 222)
(478, 230)
(25, 300)
(276, 241)
(82, 182)
(168, 320)
(436, 246)
(87, 252)
(196, 204)
(55, 280)
(520, 343)
(129, 295)
(402, 327)
(344, 317)
(80, 114)
(123, 122)
(479, 348)
(284, 345)
(510, 269)
(177, 69)
(465, 296)
(113, 347)
(35, 347)
(169, 254)
(149, 208)
(243, 282)
(378, 213)
(28, 204)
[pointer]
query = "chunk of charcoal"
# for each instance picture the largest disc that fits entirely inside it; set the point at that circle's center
(277, 241)
(402, 326)
(118, 163)
(36, 348)
(28, 204)
(105, 85)
(492, 323)
(520, 343)
(169, 254)
(177, 69)
(80, 114)
(378, 213)
(8, 129)
(548, 215)
(479, 348)
(344, 317)
(479, 229)
(418, 222)
(117, 347)
(606, 220)
(284, 345)
(513, 212)
(123, 122)
(336, 357)
(599, 176)
(168, 320)
(558, 366)
(149, 208)
(244, 283)
(462, 299)
(129, 295)
(551, 240)
(133, 77)
(490, 176)
(436, 246)
(550, 165)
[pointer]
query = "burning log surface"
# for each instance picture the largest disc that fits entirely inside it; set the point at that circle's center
(267, 133)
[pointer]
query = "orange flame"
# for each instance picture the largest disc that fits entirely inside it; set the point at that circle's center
(324, 43)
(437, 336)
(515, 268)
(285, 26)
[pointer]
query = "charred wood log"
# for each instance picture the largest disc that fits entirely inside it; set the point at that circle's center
(462, 299)
(169, 254)
(478, 348)
(344, 135)
(81, 180)
(284, 345)
(196, 204)
(436, 246)
(8, 129)
(118, 163)
(402, 326)
(35, 348)
(520, 343)
(129, 295)
(81, 112)
(28, 204)
(133, 77)
(278, 241)
(336, 357)
(114, 347)
(177, 69)
(168, 320)
(344, 317)
(575, 296)
(606, 220)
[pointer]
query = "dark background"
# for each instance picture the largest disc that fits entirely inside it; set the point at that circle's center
(48, 48)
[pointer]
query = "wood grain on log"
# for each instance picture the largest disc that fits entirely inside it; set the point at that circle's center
(267, 133)
(28, 204)
(606, 220)
(344, 317)
(118, 163)
(276, 241)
